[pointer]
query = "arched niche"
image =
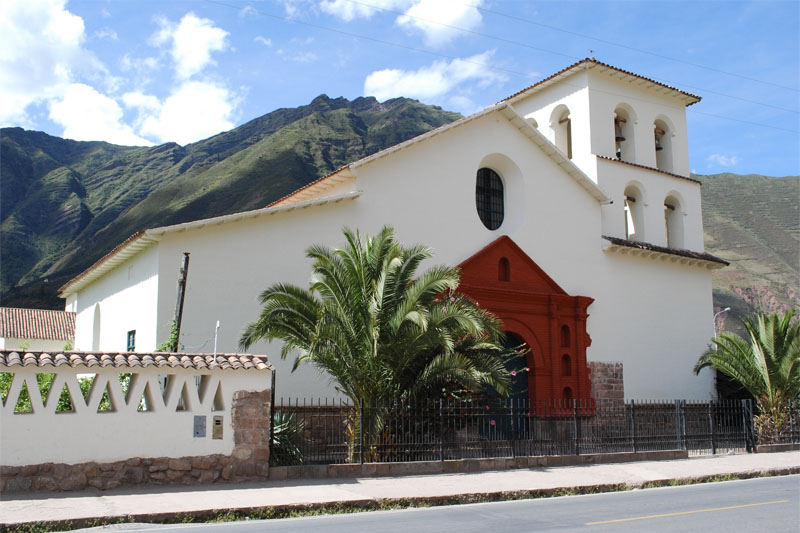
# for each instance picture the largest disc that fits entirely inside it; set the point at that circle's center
(663, 132)
(673, 220)
(513, 189)
(633, 207)
(624, 132)
(561, 124)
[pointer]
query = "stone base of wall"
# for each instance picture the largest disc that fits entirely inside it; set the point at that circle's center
(607, 381)
(158, 471)
(248, 461)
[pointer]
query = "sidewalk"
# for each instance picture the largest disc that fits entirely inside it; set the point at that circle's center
(160, 502)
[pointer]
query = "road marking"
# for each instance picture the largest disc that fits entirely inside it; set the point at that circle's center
(685, 512)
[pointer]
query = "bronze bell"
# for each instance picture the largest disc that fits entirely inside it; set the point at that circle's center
(618, 131)
(658, 143)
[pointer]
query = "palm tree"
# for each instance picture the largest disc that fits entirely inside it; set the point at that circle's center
(380, 331)
(767, 366)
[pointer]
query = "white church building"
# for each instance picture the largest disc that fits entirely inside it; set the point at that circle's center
(568, 205)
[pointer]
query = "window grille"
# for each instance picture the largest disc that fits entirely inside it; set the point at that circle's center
(489, 198)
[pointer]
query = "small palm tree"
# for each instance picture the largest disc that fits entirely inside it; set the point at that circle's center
(380, 331)
(767, 365)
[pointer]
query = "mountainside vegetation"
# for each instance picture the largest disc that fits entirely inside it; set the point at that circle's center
(64, 204)
(753, 222)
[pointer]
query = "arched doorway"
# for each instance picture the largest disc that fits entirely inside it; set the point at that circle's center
(534, 309)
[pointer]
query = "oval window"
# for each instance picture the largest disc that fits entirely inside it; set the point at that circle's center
(489, 198)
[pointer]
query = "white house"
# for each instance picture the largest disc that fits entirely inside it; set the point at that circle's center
(569, 206)
(36, 329)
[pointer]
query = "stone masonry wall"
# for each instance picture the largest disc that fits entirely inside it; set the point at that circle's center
(607, 381)
(249, 460)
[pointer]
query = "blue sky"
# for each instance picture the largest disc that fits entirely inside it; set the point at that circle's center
(147, 72)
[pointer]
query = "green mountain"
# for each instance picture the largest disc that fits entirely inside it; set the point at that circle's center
(753, 222)
(66, 203)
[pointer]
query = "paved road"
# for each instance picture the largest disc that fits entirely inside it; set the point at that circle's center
(764, 504)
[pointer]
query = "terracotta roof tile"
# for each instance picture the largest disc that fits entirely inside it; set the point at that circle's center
(592, 61)
(671, 251)
(20, 323)
(196, 361)
(614, 159)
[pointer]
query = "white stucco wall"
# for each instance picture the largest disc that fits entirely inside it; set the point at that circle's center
(125, 299)
(427, 192)
(33, 345)
(85, 435)
(654, 316)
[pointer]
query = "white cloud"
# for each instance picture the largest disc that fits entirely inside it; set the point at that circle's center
(347, 10)
(106, 33)
(722, 160)
(263, 40)
(304, 57)
(444, 82)
(88, 115)
(247, 11)
(192, 40)
(440, 20)
(195, 110)
(41, 49)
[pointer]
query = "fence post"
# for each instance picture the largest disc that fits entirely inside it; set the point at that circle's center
(677, 425)
(711, 427)
(791, 422)
(513, 433)
(577, 427)
(743, 406)
(361, 432)
(633, 425)
(441, 430)
(272, 415)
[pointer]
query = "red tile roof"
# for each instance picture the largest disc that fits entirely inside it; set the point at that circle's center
(36, 324)
(194, 361)
(592, 62)
(615, 160)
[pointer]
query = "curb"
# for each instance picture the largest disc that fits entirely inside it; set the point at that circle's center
(369, 504)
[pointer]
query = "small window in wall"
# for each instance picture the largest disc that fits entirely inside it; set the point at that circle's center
(565, 336)
(566, 365)
(132, 341)
(504, 270)
(489, 198)
(567, 394)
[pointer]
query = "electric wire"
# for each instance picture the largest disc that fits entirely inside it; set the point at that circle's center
(453, 58)
(525, 45)
(619, 45)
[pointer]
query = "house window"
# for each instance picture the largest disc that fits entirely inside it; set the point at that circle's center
(489, 198)
(565, 336)
(132, 341)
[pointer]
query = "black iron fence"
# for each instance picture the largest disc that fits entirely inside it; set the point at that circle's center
(328, 431)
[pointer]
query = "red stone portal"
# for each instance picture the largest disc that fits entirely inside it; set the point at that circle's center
(503, 279)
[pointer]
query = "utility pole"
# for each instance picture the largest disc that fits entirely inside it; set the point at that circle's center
(179, 304)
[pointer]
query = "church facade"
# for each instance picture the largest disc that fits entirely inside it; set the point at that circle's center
(569, 207)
